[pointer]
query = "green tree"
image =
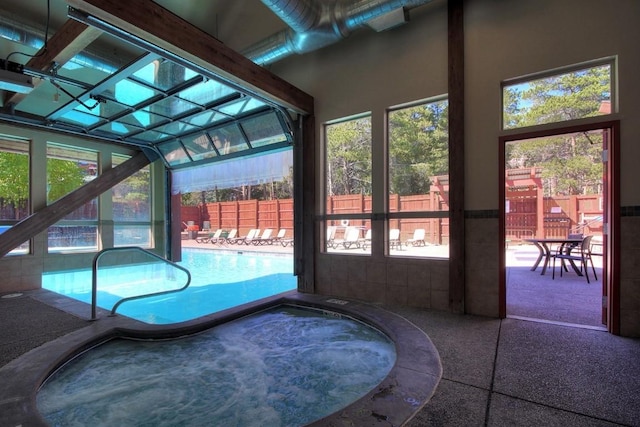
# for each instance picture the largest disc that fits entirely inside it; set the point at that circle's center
(349, 157)
(418, 147)
(14, 181)
(63, 177)
(571, 164)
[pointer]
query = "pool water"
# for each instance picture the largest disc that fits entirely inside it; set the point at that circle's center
(219, 280)
(283, 367)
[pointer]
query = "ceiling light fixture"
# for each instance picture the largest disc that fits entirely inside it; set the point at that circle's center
(15, 82)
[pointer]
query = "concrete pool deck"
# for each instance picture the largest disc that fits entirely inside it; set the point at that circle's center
(495, 372)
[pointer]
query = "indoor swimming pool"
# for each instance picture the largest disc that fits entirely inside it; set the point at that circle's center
(219, 280)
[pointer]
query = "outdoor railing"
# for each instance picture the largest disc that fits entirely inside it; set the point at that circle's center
(130, 261)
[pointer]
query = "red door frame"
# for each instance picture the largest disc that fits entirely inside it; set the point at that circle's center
(611, 208)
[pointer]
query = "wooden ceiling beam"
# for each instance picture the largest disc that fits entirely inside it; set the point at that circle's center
(153, 23)
(67, 42)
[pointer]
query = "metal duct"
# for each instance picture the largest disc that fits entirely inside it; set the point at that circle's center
(314, 24)
(27, 36)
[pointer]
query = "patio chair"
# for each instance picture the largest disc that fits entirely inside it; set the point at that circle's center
(418, 238)
(331, 235)
(394, 239)
(264, 239)
(254, 233)
(280, 236)
(351, 238)
(232, 237)
(564, 254)
(205, 239)
(366, 240)
(217, 237)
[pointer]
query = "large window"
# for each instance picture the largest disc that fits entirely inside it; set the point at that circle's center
(559, 97)
(418, 165)
(348, 184)
(67, 169)
(14, 185)
(131, 208)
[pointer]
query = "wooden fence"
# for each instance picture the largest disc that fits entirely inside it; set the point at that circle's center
(278, 214)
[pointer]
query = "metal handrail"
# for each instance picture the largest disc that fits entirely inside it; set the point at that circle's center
(94, 278)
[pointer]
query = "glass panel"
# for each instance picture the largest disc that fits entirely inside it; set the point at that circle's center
(118, 128)
(348, 183)
(176, 128)
(46, 99)
(206, 118)
(100, 59)
(142, 119)
(241, 106)
(14, 186)
(264, 130)
(174, 153)
(558, 98)
(419, 179)
(207, 92)
(228, 139)
(419, 157)
(163, 74)
(131, 197)
(73, 238)
(78, 117)
(104, 110)
(14, 179)
(199, 147)
(129, 92)
(152, 136)
(132, 235)
(68, 169)
(171, 106)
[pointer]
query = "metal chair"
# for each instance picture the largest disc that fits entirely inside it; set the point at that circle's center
(565, 254)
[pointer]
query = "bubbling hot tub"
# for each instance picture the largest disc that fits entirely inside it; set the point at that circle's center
(297, 359)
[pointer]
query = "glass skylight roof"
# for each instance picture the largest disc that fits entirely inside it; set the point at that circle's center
(137, 97)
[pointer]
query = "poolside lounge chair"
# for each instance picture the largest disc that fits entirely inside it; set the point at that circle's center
(331, 235)
(394, 239)
(351, 238)
(417, 239)
(366, 240)
(204, 239)
(231, 237)
(216, 238)
(280, 236)
(252, 234)
(264, 239)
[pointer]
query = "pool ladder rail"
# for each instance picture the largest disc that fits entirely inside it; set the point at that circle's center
(94, 278)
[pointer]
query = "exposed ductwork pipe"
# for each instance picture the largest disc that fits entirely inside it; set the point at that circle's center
(314, 24)
(14, 31)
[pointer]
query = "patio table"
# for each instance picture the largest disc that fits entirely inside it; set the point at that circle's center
(545, 250)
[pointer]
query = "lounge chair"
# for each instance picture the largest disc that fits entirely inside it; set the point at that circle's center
(366, 240)
(264, 239)
(394, 239)
(417, 239)
(216, 238)
(231, 237)
(331, 235)
(204, 239)
(280, 236)
(252, 234)
(351, 238)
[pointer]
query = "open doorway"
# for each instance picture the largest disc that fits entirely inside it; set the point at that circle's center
(558, 185)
